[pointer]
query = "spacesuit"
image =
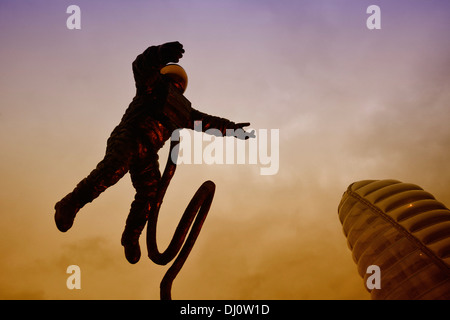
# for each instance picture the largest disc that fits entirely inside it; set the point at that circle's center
(133, 145)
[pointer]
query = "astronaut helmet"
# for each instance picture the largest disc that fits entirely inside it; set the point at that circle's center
(177, 75)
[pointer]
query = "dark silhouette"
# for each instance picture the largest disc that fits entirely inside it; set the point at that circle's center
(133, 145)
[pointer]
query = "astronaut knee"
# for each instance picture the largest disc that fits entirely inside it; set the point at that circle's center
(146, 194)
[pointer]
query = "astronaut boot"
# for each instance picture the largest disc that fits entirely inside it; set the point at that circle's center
(66, 210)
(130, 242)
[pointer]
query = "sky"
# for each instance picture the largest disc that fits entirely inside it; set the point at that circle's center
(349, 103)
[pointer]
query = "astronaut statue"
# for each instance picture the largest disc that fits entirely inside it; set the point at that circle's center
(133, 144)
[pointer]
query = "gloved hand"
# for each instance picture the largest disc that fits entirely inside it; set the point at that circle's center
(170, 52)
(240, 133)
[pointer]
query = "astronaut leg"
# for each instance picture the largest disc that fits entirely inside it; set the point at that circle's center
(145, 176)
(114, 166)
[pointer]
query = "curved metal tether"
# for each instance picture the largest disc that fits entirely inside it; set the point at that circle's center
(198, 208)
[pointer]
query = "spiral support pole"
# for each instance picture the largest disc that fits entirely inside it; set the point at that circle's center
(194, 216)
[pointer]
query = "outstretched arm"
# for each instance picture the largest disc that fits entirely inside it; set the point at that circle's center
(221, 124)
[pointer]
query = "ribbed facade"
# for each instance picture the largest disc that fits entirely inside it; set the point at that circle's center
(404, 231)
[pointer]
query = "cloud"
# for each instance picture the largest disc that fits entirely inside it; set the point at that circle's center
(350, 104)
